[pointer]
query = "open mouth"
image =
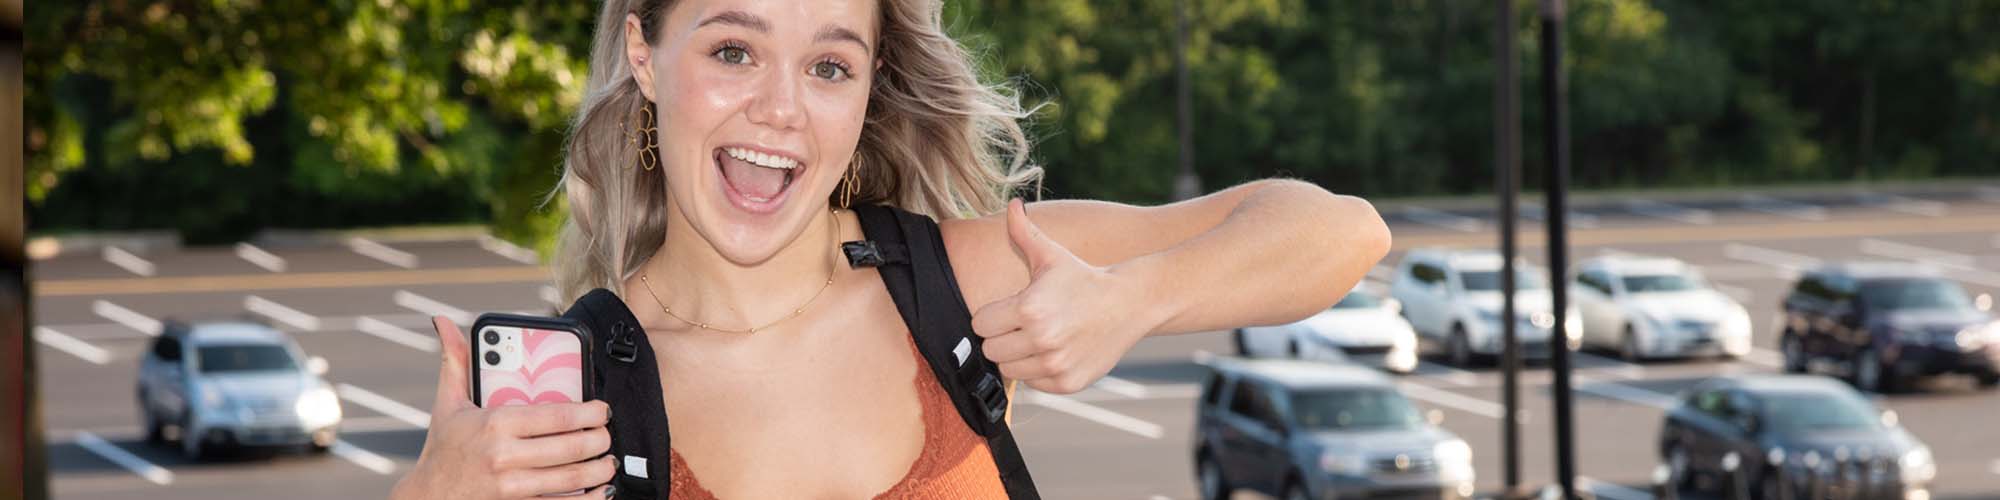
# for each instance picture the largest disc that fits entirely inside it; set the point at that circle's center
(757, 180)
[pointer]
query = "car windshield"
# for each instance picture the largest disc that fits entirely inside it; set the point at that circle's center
(1358, 300)
(1649, 283)
(1892, 295)
(1486, 281)
(1353, 409)
(230, 358)
(1811, 411)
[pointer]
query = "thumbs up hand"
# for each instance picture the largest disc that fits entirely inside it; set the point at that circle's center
(1069, 325)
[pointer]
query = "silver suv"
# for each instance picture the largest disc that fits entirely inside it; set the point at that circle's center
(234, 384)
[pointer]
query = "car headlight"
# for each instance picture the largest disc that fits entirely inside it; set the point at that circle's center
(318, 405)
(1917, 465)
(1453, 453)
(1572, 325)
(1341, 463)
(1970, 337)
(1542, 319)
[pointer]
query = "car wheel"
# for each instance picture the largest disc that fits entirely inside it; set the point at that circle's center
(1628, 346)
(1461, 347)
(1294, 491)
(1236, 336)
(156, 433)
(1794, 352)
(1989, 379)
(1213, 486)
(1868, 375)
(191, 445)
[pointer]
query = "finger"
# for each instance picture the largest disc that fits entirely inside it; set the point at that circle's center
(564, 478)
(550, 418)
(599, 492)
(1034, 245)
(997, 318)
(1030, 368)
(556, 449)
(452, 387)
(1011, 347)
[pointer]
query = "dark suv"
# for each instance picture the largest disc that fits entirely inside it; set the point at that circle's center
(1883, 324)
(1306, 430)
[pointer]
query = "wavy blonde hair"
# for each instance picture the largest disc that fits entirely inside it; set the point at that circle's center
(935, 141)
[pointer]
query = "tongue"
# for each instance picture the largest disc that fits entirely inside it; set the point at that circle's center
(752, 180)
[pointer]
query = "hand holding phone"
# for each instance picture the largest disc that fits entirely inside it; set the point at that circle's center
(529, 360)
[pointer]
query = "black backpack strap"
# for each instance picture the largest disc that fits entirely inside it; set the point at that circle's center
(629, 379)
(907, 249)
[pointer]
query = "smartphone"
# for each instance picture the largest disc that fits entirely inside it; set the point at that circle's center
(520, 360)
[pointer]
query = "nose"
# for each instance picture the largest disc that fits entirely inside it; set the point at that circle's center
(776, 103)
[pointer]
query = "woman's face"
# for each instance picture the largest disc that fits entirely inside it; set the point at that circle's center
(760, 107)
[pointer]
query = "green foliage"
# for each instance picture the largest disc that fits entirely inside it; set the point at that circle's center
(220, 117)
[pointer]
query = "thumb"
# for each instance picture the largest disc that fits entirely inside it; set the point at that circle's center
(452, 382)
(1034, 245)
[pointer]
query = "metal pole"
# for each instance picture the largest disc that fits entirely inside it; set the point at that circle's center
(1507, 160)
(1186, 183)
(1554, 111)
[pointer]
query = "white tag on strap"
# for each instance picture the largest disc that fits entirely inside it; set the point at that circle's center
(635, 466)
(963, 350)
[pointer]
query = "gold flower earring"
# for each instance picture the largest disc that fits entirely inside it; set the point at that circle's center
(647, 138)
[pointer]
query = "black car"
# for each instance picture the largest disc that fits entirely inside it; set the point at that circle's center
(1882, 325)
(1792, 436)
(1303, 430)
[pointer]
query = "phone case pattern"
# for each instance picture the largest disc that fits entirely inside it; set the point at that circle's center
(550, 372)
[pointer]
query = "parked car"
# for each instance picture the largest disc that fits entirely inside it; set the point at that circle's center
(1649, 307)
(1362, 323)
(1792, 436)
(1299, 430)
(1882, 325)
(1452, 297)
(234, 384)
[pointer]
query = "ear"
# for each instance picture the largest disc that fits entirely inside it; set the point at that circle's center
(639, 55)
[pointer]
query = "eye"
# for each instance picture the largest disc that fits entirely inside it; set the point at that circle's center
(830, 70)
(732, 53)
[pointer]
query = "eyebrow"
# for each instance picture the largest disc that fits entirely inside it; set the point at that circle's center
(830, 33)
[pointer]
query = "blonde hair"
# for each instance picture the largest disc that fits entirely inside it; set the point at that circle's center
(935, 141)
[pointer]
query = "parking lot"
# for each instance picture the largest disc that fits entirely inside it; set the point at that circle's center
(363, 303)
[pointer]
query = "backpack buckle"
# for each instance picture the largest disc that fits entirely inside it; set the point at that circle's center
(863, 253)
(620, 346)
(992, 395)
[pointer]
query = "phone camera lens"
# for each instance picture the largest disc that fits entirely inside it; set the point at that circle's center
(492, 337)
(492, 358)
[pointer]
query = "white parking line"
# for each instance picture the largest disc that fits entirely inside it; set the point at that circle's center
(130, 318)
(1787, 261)
(1094, 413)
(257, 256)
(1906, 251)
(1676, 213)
(1786, 208)
(1620, 368)
(125, 260)
(432, 307)
(1454, 400)
(1905, 204)
(551, 295)
(364, 458)
(1446, 373)
(157, 474)
(1765, 358)
(1575, 219)
(509, 250)
(1612, 491)
(1120, 387)
(383, 405)
(397, 334)
(289, 316)
(1442, 219)
(371, 249)
(73, 346)
(1623, 392)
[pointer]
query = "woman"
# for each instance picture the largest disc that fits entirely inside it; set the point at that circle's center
(712, 132)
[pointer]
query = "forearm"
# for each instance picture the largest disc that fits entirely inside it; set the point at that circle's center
(1287, 250)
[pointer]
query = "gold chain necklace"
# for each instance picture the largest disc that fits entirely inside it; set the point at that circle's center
(645, 280)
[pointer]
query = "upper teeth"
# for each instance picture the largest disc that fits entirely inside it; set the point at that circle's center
(761, 159)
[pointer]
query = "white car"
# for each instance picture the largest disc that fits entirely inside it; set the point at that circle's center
(1363, 322)
(1648, 307)
(232, 384)
(1452, 297)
